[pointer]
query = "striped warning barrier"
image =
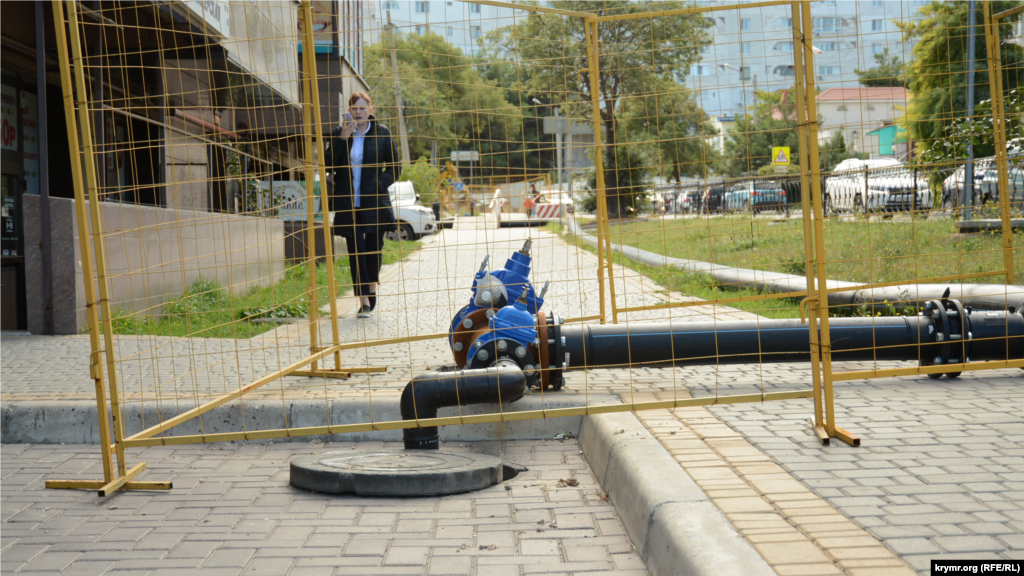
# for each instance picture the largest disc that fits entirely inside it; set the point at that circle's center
(547, 211)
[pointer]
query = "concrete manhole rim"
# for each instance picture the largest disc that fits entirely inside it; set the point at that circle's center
(453, 473)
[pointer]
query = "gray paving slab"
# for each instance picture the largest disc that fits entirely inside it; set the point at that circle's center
(338, 534)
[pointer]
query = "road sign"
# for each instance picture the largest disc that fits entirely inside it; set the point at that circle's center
(465, 156)
(459, 186)
(781, 169)
(780, 155)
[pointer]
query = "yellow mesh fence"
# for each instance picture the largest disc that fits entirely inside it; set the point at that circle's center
(701, 184)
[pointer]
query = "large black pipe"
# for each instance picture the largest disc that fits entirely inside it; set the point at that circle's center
(424, 394)
(991, 336)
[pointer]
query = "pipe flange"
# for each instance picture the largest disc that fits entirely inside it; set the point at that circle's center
(466, 336)
(543, 350)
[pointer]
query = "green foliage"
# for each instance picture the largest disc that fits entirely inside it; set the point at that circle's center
(635, 55)
(937, 74)
(748, 148)
(635, 166)
(888, 72)
(208, 310)
(673, 119)
(952, 148)
(201, 295)
(446, 100)
(424, 177)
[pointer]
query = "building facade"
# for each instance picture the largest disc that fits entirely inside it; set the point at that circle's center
(752, 49)
(858, 113)
(196, 108)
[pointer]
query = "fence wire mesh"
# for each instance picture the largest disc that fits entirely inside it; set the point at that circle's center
(671, 163)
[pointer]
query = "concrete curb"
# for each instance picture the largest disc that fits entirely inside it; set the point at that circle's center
(672, 523)
(75, 422)
(979, 296)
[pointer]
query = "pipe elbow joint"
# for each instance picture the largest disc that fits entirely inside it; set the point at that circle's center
(425, 394)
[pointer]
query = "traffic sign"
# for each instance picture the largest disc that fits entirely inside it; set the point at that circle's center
(459, 186)
(780, 155)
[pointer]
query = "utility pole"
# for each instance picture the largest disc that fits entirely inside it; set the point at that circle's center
(558, 151)
(969, 168)
(403, 134)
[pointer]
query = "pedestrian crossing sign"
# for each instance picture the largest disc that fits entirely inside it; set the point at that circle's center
(780, 155)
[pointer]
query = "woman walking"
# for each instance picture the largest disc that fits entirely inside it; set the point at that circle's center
(361, 160)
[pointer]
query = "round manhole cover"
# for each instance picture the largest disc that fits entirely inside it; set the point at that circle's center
(395, 472)
(391, 461)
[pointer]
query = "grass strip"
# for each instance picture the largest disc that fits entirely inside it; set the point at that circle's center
(209, 310)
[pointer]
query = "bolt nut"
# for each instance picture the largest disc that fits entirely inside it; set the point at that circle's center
(521, 351)
(563, 340)
(486, 295)
(489, 313)
(467, 323)
(482, 354)
(458, 347)
(529, 370)
(502, 345)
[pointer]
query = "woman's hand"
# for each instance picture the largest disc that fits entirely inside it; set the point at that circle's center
(348, 129)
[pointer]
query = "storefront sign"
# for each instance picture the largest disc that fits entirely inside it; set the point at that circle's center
(9, 135)
(30, 141)
(324, 28)
(215, 15)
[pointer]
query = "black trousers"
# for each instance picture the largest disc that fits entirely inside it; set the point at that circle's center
(365, 256)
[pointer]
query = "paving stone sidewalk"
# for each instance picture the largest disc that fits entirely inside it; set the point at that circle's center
(940, 471)
(232, 512)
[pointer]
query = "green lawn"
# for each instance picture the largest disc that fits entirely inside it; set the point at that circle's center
(208, 310)
(697, 285)
(866, 251)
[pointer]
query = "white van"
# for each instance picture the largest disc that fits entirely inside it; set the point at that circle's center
(414, 220)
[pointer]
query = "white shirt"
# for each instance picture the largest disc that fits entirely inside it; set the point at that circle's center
(356, 159)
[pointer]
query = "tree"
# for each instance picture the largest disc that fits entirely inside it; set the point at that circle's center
(749, 146)
(938, 79)
(673, 120)
(446, 100)
(889, 72)
(634, 168)
(978, 130)
(833, 151)
(424, 177)
(634, 55)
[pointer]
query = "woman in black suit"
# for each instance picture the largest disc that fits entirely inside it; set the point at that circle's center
(361, 157)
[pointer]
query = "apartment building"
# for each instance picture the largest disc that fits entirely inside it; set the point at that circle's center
(752, 48)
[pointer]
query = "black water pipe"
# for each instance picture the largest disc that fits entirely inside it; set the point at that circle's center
(424, 394)
(990, 336)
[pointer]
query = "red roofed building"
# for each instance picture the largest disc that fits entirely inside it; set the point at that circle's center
(857, 111)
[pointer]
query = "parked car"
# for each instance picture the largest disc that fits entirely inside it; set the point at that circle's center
(713, 198)
(1015, 178)
(894, 191)
(414, 220)
(845, 189)
(954, 189)
(755, 196)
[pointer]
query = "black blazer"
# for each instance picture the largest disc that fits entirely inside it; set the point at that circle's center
(379, 171)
